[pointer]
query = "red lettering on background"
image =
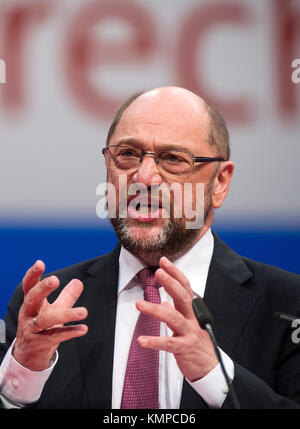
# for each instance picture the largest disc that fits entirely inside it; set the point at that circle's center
(18, 22)
(286, 30)
(83, 51)
(197, 24)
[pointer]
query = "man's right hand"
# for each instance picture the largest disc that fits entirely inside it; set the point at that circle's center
(41, 324)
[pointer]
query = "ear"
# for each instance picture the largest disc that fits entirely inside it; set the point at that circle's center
(221, 183)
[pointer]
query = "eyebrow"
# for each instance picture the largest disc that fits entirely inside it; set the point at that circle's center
(168, 146)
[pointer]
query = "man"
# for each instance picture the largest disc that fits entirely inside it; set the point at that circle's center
(164, 136)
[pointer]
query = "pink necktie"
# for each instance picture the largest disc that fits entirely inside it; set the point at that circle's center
(141, 379)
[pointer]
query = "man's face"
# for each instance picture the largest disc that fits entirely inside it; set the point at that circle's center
(154, 123)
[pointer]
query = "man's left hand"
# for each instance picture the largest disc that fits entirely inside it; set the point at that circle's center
(190, 345)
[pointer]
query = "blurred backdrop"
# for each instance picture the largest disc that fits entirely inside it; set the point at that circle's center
(69, 65)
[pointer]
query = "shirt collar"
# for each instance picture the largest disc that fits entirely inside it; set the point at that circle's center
(130, 265)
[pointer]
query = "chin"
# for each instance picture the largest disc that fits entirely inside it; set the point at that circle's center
(160, 237)
(141, 236)
(145, 232)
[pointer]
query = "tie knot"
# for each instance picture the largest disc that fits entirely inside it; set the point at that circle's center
(146, 277)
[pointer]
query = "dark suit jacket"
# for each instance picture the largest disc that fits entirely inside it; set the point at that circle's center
(242, 296)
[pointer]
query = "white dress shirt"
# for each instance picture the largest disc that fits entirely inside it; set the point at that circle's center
(195, 265)
(20, 386)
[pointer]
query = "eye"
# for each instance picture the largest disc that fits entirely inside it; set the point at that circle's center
(128, 152)
(172, 157)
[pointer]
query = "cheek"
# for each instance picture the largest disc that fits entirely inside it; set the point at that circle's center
(112, 177)
(193, 196)
(118, 182)
(112, 196)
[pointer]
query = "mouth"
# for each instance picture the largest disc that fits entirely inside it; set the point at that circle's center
(145, 209)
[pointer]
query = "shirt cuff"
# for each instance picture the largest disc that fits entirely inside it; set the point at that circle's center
(213, 387)
(19, 385)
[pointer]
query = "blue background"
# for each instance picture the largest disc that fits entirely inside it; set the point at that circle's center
(60, 246)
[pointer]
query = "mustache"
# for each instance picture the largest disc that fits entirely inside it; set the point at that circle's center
(153, 197)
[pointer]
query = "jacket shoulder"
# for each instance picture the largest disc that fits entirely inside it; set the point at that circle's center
(275, 283)
(271, 272)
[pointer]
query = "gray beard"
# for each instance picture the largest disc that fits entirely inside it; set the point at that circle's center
(172, 238)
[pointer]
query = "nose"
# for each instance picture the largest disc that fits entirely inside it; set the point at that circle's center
(148, 172)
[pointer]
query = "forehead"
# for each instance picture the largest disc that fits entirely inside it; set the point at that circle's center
(162, 120)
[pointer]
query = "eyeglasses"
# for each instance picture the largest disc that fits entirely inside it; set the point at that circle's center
(128, 158)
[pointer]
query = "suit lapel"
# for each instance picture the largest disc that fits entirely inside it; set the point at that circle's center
(229, 303)
(96, 348)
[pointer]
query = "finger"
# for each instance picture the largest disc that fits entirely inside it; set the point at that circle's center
(167, 344)
(36, 295)
(163, 313)
(65, 333)
(50, 318)
(181, 297)
(70, 294)
(33, 276)
(175, 272)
